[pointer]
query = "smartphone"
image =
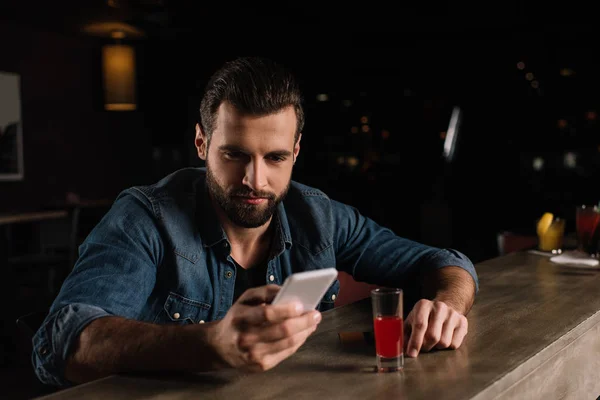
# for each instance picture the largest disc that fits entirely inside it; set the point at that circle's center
(308, 287)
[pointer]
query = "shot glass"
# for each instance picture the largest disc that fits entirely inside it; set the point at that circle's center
(388, 328)
(588, 232)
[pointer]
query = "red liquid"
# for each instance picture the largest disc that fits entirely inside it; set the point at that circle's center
(587, 223)
(388, 336)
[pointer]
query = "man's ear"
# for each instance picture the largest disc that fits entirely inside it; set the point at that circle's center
(201, 142)
(297, 148)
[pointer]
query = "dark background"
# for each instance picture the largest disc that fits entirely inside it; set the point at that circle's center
(403, 66)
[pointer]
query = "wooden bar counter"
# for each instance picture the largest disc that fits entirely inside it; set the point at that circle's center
(534, 333)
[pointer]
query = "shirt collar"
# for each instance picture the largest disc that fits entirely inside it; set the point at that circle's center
(208, 222)
(283, 237)
(212, 232)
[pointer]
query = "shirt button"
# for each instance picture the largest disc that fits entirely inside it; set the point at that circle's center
(176, 315)
(272, 278)
(225, 244)
(43, 351)
(228, 274)
(201, 321)
(333, 297)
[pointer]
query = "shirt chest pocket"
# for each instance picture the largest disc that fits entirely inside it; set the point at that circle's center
(182, 310)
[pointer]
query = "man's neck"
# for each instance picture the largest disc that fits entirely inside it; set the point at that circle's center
(245, 237)
(249, 246)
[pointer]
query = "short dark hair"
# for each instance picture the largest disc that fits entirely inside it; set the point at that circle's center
(254, 86)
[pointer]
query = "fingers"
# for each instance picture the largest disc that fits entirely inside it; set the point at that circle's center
(248, 314)
(448, 331)
(437, 320)
(259, 295)
(434, 325)
(266, 314)
(278, 331)
(258, 335)
(264, 356)
(418, 322)
(459, 333)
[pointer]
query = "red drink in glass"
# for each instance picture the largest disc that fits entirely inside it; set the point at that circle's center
(388, 336)
(387, 324)
(587, 221)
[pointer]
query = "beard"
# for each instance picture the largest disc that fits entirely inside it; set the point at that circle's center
(241, 213)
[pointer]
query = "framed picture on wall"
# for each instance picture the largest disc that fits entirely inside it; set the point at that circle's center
(11, 130)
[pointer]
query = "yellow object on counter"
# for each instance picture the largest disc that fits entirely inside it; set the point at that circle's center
(544, 223)
(551, 235)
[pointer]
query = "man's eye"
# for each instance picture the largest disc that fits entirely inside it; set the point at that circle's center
(276, 158)
(233, 155)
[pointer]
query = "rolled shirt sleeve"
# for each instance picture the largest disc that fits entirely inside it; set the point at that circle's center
(375, 254)
(52, 342)
(450, 257)
(114, 275)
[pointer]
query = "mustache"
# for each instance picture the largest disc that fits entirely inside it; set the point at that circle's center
(245, 192)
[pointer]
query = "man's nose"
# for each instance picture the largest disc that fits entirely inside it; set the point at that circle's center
(255, 176)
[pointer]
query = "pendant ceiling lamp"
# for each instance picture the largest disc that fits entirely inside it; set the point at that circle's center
(118, 64)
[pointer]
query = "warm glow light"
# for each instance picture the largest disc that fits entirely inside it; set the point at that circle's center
(365, 128)
(322, 97)
(566, 72)
(521, 65)
(529, 76)
(562, 123)
(535, 84)
(364, 119)
(385, 134)
(591, 115)
(352, 161)
(120, 107)
(118, 34)
(354, 129)
(108, 29)
(118, 68)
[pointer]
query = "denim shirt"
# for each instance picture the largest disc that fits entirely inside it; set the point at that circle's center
(160, 255)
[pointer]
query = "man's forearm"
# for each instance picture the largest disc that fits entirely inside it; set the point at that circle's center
(451, 285)
(110, 345)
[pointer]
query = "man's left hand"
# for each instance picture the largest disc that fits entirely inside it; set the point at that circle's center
(433, 325)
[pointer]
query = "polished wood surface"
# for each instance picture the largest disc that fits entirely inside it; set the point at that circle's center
(534, 332)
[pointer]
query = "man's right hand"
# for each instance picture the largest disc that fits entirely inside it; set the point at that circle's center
(256, 336)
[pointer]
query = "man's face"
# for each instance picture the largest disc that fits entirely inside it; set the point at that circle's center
(249, 163)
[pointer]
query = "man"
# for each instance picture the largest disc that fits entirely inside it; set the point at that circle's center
(179, 275)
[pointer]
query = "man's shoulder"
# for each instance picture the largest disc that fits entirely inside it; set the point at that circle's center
(301, 194)
(300, 190)
(183, 182)
(310, 215)
(303, 200)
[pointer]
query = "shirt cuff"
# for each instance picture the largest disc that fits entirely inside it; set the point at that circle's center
(450, 257)
(53, 340)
